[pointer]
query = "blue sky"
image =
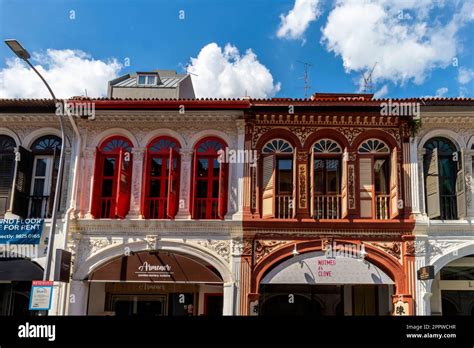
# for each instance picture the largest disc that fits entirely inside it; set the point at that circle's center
(422, 48)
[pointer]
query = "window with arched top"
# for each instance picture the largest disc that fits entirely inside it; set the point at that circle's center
(373, 146)
(112, 178)
(7, 166)
(443, 169)
(329, 176)
(161, 178)
(46, 145)
(378, 180)
(277, 146)
(278, 178)
(327, 146)
(210, 179)
(45, 154)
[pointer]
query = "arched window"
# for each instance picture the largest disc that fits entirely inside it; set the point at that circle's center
(112, 178)
(329, 186)
(444, 179)
(7, 166)
(210, 179)
(161, 184)
(378, 180)
(278, 179)
(45, 152)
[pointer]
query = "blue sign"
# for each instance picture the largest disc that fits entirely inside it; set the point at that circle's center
(41, 295)
(21, 231)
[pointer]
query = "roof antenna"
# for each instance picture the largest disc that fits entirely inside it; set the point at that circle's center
(185, 68)
(368, 83)
(306, 78)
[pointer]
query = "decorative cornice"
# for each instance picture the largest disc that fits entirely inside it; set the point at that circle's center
(139, 227)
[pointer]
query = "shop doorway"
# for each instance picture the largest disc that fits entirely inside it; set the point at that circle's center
(325, 300)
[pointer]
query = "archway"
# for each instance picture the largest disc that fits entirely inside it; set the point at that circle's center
(366, 280)
(169, 279)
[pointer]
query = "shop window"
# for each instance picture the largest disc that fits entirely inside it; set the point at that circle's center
(378, 180)
(161, 184)
(7, 166)
(278, 179)
(443, 168)
(329, 173)
(210, 180)
(112, 178)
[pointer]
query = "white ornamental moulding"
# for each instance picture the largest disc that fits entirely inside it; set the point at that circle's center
(436, 248)
(220, 247)
(96, 245)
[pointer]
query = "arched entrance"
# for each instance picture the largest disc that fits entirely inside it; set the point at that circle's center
(452, 288)
(170, 280)
(16, 275)
(355, 281)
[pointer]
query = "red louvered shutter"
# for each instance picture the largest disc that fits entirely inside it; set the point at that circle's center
(145, 186)
(124, 184)
(223, 188)
(192, 198)
(172, 186)
(96, 187)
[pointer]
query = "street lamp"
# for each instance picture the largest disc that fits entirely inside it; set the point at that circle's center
(23, 54)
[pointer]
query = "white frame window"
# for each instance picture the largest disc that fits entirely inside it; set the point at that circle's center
(146, 80)
(46, 185)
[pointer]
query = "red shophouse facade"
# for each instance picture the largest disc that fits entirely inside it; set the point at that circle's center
(331, 171)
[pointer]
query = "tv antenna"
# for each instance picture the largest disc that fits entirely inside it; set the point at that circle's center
(305, 77)
(368, 83)
(185, 68)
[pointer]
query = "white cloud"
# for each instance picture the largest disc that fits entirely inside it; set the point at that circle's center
(465, 75)
(225, 73)
(440, 92)
(381, 92)
(68, 72)
(294, 24)
(400, 36)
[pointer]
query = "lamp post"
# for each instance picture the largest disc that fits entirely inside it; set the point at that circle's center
(23, 54)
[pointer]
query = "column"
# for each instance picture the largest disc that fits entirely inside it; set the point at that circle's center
(228, 307)
(87, 183)
(137, 175)
(415, 191)
(237, 179)
(78, 297)
(301, 201)
(468, 167)
(184, 211)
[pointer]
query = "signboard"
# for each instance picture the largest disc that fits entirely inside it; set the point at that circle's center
(62, 272)
(41, 295)
(318, 268)
(156, 267)
(426, 273)
(21, 231)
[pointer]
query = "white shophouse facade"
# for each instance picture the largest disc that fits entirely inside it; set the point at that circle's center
(96, 241)
(443, 196)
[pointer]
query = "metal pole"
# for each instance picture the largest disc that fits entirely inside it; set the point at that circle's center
(54, 216)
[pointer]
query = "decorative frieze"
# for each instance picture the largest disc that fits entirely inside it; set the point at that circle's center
(392, 248)
(220, 247)
(265, 247)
